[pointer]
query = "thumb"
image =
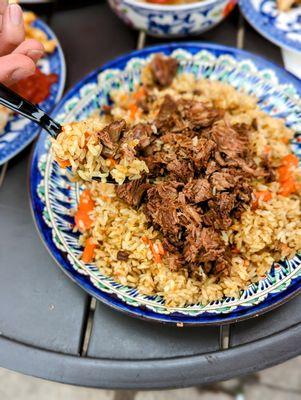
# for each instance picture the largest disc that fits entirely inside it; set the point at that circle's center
(15, 67)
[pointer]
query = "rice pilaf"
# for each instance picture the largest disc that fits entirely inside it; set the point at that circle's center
(264, 233)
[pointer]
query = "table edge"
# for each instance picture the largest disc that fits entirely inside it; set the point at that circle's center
(151, 374)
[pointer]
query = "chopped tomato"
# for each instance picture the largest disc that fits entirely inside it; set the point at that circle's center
(88, 253)
(35, 88)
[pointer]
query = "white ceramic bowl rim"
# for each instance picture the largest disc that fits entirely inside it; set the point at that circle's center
(173, 7)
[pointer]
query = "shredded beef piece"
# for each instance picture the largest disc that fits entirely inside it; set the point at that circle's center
(224, 179)
(168, 118)
(123, 255)
(229, 141)
(202, 152)
(268, 172)
(226, 201)
(199, 114)
(143, 133)
(163, 69)
(132, 192)
(109, 137)
(180, 169)
(161, 207)
(198, 190)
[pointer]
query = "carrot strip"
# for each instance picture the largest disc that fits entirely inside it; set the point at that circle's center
(63, 163)
(290, 160)
(286, 177)
(144, 239)
(133, 110)
(82, 217)
(288, 187)
(139, 94)
(88, 253)
(264, 195)
(160, 248)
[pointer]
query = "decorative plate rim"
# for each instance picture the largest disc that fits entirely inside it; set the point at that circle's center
(255, 20)
(212, 318)
(58, 96)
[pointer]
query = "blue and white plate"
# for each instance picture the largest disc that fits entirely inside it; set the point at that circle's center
(19, 131)
(281, 28)
(53, 196)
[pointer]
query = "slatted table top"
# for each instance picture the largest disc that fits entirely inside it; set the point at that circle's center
(50, 328)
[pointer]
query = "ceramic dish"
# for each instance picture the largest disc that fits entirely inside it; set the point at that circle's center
(281, 28)
(19, 132)
(172, 20)
(53, 196)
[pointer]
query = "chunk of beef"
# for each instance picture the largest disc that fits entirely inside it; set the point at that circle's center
(142, 133)
(224, 179)
(132, 192)
(161, 208)
(168, 117)
(188, 215)
(198, 190)
(180, 169)
(163, 69)
(268, 172)
(199, 114)
(202, 152)
(203, 245)
(229, 141)
(109, 137)
(123, 255)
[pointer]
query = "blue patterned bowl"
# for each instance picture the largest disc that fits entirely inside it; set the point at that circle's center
(281, 28)
(19, 131)
(53, 196)
(172, 20)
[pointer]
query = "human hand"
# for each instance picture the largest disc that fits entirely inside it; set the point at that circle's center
(17, 55)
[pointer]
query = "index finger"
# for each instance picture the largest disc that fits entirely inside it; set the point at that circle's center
(3, 5)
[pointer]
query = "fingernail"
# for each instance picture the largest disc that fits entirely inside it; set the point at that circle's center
(19, 74)
(15, 14)
(35, 53)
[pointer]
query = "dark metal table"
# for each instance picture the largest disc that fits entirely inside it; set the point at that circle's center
(50, 328)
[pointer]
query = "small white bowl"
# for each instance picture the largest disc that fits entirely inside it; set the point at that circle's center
(172, 20)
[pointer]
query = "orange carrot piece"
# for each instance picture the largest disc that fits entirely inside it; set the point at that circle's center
(264, 195)
(112, 162)
(144, 239)
(284, 174)
(63, 163)
(285, 140)
(290, 160)
(82, 217)
(139, 94)
(288, 187)
(88, 253)
(160, 248)
(133, 110)
(267, 149)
